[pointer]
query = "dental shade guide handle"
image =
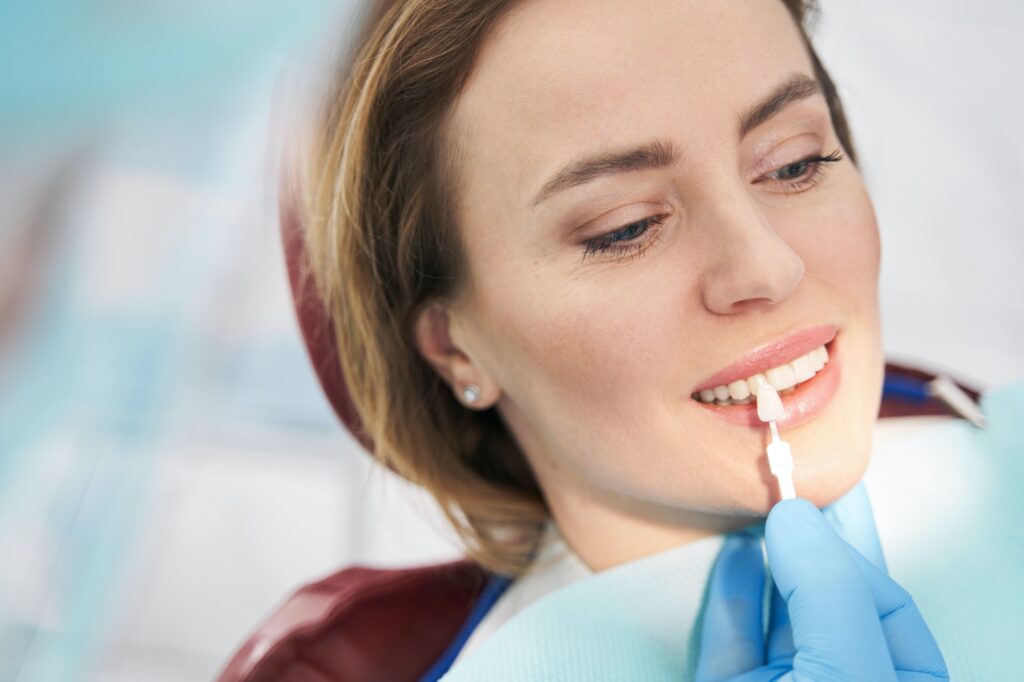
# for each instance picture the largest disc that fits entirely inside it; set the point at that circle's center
(780, 456)
(780, 461)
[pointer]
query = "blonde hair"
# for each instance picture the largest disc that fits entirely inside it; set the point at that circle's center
(382, 242)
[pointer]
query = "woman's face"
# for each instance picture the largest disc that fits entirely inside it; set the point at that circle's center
(631, 231)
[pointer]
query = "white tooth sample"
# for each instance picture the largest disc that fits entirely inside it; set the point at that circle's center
(707, 395)
(755, 382)
(721, 392)
(803, 368)
(769, 404)
(823, 354)
(816, 359)
(781, 377)
(739, 390)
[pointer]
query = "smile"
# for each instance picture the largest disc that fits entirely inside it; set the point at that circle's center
(783, 378)
(803, 367)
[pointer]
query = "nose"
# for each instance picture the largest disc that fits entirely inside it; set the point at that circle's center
(749, 265)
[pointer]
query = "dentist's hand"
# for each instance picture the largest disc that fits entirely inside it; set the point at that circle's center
(834, 615)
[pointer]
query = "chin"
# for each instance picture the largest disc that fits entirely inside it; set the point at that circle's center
(831, 461)
(821, 480)
(822, 485)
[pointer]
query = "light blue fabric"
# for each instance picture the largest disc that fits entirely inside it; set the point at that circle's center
(639, 621)
(632, 622)
(962, 488)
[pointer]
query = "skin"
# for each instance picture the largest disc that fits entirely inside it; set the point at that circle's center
(591, 362)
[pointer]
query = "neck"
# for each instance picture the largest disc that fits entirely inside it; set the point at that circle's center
(605, 530)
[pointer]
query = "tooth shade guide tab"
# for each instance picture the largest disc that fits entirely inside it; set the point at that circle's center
(769, 404)
(780, 456)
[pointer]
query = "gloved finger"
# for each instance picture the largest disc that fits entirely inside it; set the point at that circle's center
(732, 637)
(852, 518)
(911, 645)
(836, 629)
(918, 677)
(780, 649)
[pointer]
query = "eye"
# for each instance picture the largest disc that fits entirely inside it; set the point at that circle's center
(630, 240)
(797, 175)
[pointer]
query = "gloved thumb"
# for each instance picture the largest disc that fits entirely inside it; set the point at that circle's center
(831, 607)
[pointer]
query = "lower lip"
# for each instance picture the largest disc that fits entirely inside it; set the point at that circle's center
(802, 405)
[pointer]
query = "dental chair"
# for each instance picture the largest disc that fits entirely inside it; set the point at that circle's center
(364, 624)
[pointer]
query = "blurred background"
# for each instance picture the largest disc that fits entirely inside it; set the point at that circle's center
(169, 470)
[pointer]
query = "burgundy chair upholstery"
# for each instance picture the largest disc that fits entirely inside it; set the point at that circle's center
(361, 625)
(377, 624)
(316, 328)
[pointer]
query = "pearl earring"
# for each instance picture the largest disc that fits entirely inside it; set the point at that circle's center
(470, 393)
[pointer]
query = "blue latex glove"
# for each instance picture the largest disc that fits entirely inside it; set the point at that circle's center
(834, 615)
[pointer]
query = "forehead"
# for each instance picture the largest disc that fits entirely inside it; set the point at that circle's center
(559, 78)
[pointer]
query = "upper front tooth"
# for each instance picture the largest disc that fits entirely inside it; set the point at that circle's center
(755, 382)
(803, 368)
(781, 377)
(816, 360)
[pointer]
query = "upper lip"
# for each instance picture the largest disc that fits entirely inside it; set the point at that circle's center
(772, 354)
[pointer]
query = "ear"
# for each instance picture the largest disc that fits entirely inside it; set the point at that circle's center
(432, 332)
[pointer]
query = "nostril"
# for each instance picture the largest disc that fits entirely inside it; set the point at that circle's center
(751, 304)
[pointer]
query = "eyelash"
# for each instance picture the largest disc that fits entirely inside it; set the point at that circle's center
(635, 248)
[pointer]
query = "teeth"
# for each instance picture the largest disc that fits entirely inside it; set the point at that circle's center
(817, 360)
(783, 378)
(803, 368)
(754, 382)
(738, 390)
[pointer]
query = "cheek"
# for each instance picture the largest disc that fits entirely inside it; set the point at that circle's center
(840, 243)
(584, 342)
(592, 370)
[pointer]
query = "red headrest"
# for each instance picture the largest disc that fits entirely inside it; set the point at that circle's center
(315, 324)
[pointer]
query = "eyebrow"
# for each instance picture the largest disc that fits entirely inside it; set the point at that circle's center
(796, 88)
(661, 153)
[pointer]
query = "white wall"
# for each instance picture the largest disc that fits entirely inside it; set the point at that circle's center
(933, 93)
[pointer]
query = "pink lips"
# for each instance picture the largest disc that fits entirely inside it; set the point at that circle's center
(801, 405)
(772, 354)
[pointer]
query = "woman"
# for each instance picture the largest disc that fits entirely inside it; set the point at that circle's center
(560, 241)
